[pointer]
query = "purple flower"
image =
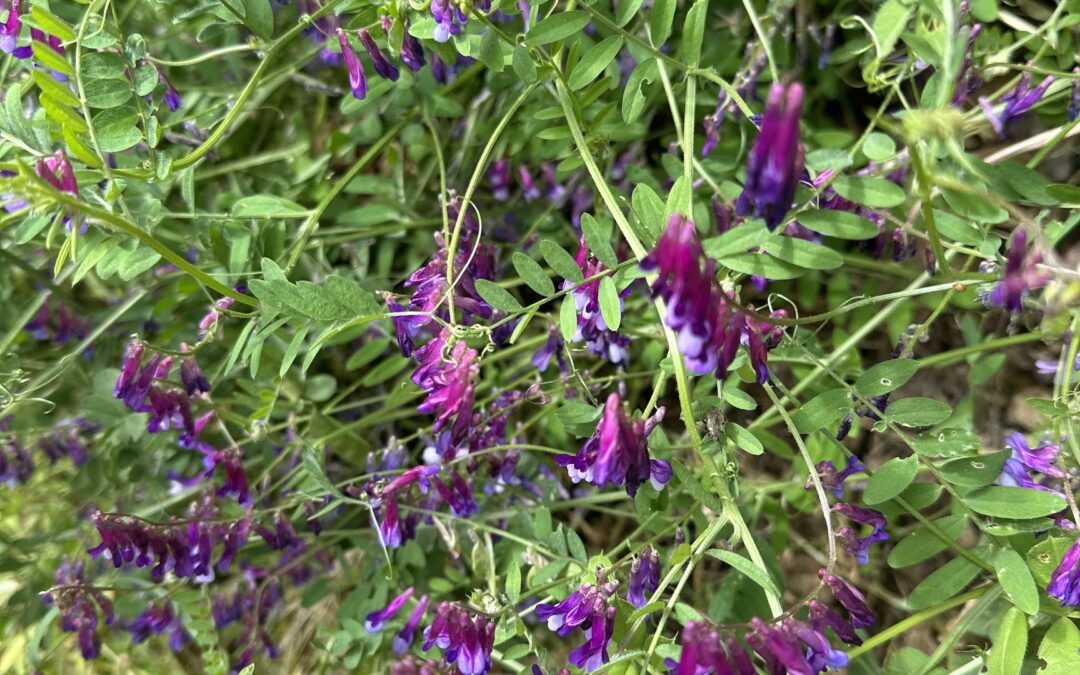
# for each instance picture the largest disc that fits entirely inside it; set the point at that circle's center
(1017, 102)
(377, 619)
(860, 547)
(449, 18)
(448, 379)
(617, 453)
(1021, 275)
(57, 171)
(156, 619)
(384, 68)
(644, 577)
(191, 374)
(528, 187)
(412, 52)
(776, 160)
(390, 528)
(709, 329)
(183, 549)
(591, 327)
(779, 648)
(357, 81)
(78, 608)
(499, 175)
(465, 639)
(822, 617)
(235, 484)
(9, 32)
(831, 479)
(552, 348)
(458, 495)
(590, 608)
(1065, 581)
(850, 598)
(704, 651)
(1074, 98)
(404, 639)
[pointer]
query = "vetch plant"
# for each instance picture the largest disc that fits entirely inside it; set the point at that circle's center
(714, 336)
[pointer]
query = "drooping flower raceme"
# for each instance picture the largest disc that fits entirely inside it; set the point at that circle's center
(590, 608)
(617, 453)
(708, 327)
(775, 163)
(644, 577)
(466, 640)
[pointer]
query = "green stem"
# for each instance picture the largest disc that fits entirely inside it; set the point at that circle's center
(914, 620)
(119, 223)
(944, 358)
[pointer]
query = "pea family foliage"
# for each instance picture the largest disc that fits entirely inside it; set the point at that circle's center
(723, 336)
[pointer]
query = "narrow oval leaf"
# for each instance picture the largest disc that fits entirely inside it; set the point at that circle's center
(839, 224)
(749, 569)
(802, 253)
(556, 27)
(599, 240)
(532, 274)
(1010, 644)
(1016, 581)
(891, 479)
(923, 543)
(610, 305)
(497, 296)
(742, 437)
(943, 583)
(1059, 648)
(594, 62)
(870, 191)
(562, 262)
(568, 318)
(885, 377)
(918, 411)
(1014, 502)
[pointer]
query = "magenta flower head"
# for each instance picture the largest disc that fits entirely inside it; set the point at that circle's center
(1022, 275)
(56, 170)
(644, 577)
(499, 175)
(9, 31)
(1065, 581)
(390, 529)
(776, 160)
(1017, 102)
(377, 619)
(856, 546)
(465, 639)
(528, 186)
(709, 332)
(448, 379)
(822, 617)
(850, 598)
(357, 80)
(404, 638)
(833, 480)
(191, 374)
(158, 618)
(449, 18)
(590, 608)
(78, 608)
(412, 52)
(793, 647)
(384, 68)
(617, 453)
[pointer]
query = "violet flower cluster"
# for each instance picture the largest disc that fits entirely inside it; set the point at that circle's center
(184, 549)
(709, 327)
(775, 163)
(465, 639)
(617, 453)
(1022, 275)
(786, 646)
(590, 608)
